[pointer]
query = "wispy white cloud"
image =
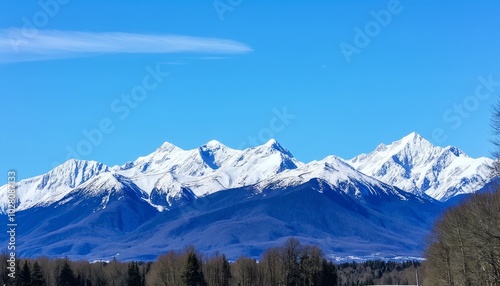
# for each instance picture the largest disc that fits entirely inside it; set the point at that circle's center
(213, 58)
(22, 45)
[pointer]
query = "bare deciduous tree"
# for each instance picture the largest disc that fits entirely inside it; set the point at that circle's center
(217, 271)
(166, 270)
(465, 244)
(244, 272)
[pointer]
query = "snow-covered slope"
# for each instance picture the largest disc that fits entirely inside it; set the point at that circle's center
(96, 213)
(416, 166)
(102, 186)
(338, 174)
(54, 185)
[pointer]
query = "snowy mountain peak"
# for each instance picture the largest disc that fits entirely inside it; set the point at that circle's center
(273, 145)
(102, 190)
(409, 146)
(413, 136)
(214, 154)
(336, 173)
(214, 144)
(416, 166)
(167, 147)
(271, 142)
(105, 181)
(413, 141)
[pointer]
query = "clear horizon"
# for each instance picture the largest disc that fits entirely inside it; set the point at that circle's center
(114, 81)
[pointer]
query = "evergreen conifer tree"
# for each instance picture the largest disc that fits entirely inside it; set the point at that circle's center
(134, 275)
(192, 274)
(66, 276)
(24, 278)
(37, 276)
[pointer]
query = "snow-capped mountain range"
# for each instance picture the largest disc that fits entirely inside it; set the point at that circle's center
(172, 175)
(241, 202)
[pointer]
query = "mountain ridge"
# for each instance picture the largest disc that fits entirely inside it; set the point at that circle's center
(239, 202)
(171, 174)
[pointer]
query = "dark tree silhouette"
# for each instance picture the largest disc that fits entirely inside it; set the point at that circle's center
(192, 274)
(37, 275)
(66, 276)
(24, 278)
(328, 274)
(134, 275)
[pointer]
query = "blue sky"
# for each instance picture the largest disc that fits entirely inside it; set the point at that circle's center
(322, 77)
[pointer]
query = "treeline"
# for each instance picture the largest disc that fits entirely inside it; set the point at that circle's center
(291, 264)
(465, 244)
(377, 272)
(61, 272)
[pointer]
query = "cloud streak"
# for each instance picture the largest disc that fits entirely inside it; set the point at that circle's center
(23, 45)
